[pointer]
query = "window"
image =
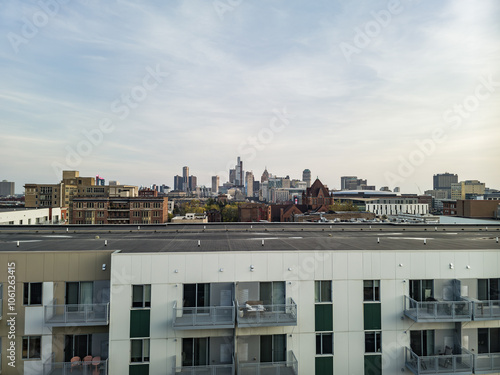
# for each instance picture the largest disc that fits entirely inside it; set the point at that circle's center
(422, 342)
(195, 351)
(139, 350)
(273, 348)
(422, 290)
(31, 347)
(324, 343)
(488, 340)
(373, 342)
(32, 294)
(79, 293)
(141, 296)
(371, 290)
(488, 289)
(323, 291)
(197, 295)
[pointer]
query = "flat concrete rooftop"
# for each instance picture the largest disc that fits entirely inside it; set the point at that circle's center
(249, 237)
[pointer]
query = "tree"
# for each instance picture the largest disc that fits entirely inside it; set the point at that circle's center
(346, 206)
(230, 213)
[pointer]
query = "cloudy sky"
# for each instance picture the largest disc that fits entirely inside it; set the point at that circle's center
(393, 92)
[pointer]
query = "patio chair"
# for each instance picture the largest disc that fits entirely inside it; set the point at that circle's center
(96, 361)
(75, 362)
(87, 361)
(448, 352)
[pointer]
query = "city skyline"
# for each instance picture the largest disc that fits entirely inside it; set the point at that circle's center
(390, 93)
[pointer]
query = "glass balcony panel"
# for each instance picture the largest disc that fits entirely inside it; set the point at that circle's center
(438, 311)
(203, 317)
(96, 314)
(259, 315)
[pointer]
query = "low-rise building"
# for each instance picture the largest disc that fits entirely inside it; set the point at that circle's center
(30, 216)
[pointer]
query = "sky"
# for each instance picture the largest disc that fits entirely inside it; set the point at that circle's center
(390, 91)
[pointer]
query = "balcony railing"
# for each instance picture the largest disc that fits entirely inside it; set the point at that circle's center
(439, 364)
(1, 309)
(209, 317)
(257, 315)
(438, 311)
(487, 363)
(96, 314)
(289, 367)
(93, 367)
(486, 310)
(206, 370)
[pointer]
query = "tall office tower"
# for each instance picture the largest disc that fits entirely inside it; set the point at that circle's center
(6, 188)
(215, 184)
(443, 181)
(178, 182)
(232, 176)
(265, 175)
(256, 188)
(192, 183)
(348, 182)
(249, 183)
(185, 178)
(239, 173)
(306, 177)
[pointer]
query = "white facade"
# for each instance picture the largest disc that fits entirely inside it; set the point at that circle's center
(31, 216)
(298, 270)
(397, 209)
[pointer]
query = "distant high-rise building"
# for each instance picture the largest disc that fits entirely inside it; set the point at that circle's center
(467, 189)
(256, 188)
(192, 183)
(185, 178)
(232, 176)
(239, 173)
(7, 188)
(306, 177)
(178, 183)
(215, 184)
(265, 175)
(249, 179)
(443, 181)
(348, 182)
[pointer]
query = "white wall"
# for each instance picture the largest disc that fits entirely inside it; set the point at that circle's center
(299, 269)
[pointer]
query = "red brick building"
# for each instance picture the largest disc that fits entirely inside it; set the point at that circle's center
(317, 195)
(137, 210)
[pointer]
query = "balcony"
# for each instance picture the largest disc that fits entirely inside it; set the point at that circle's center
(439, 364)
(486, 310)
(487, 363)
(438, 311)
(94, 367)
(210, 317)
(96, 314)
(289, 367)
(259, 315)
(1, 308)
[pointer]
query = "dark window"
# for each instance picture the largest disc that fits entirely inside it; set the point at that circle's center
(141, 296)
(324, 343)
(488, 340)
(323, 291)
(373, 342)
(422, 342)
(488, 289)
(195, 351)
(32, 294)
(139, 350)
(422, 290)
(31, 347)
(371, 290)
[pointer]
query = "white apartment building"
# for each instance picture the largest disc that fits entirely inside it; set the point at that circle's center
(255, 299)
(397, 209)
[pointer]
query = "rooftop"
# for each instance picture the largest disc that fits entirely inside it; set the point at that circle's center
(249, 237)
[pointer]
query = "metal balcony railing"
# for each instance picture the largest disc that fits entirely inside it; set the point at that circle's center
(439, 364)
(486, 310)
(257, 315)
(96, 314)
(288, 367)
(209, 317)
(438, 311)
(93, 367)
(486, 363)
(206, 370)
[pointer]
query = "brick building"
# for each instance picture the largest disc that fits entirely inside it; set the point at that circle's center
(137, 210)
